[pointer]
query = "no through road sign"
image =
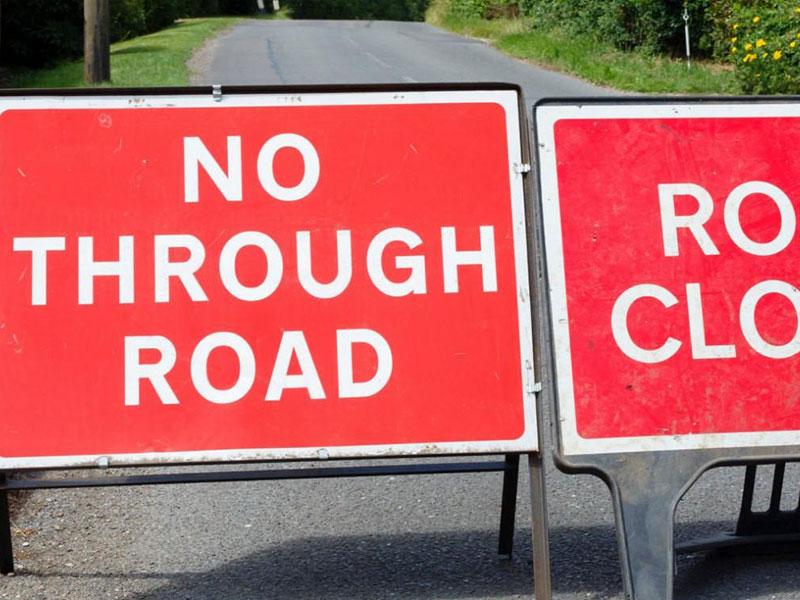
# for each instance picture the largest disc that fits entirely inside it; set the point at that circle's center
(263, 276)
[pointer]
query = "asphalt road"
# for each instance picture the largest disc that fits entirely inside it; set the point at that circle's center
(419, 537)
(304, 52)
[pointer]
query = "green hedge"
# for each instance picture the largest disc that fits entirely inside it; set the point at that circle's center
(42, 32)
(485, 9)
(764, 46)
(37, 32)
(207, 8)
(392, 10)
(655, 26)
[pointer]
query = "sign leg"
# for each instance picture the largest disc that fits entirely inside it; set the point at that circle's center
(6, 549)
(542, 584)
(648, 546)
(508, 509)
(646, 490)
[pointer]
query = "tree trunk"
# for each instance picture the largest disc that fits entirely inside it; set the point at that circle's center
(96, 41)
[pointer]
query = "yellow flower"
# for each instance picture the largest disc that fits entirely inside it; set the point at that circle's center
(797, 10)
(734, 40)
(735, 26)
(761, 43)
(756, 19)
(793, 45)
(777, 55)
(748, 46)
(734, 50)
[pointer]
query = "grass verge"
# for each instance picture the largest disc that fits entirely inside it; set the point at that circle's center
(591, 59)
(157, 59)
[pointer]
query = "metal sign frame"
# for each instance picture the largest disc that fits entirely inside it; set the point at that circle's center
(509, 466)
(646, 484)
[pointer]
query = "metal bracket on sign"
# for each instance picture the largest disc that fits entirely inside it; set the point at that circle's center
(531, 385)
(216, 92)
(521, 168)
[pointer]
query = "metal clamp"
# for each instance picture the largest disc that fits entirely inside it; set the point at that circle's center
(520, 168)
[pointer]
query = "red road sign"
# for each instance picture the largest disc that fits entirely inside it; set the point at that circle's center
(267, 276)
(672, 254)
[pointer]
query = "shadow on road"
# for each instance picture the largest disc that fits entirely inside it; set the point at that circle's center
(453, 565)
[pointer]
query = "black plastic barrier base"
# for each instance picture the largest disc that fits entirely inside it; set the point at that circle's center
(773, 531)
(646, 489)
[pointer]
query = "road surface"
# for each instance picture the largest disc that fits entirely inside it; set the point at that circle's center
(420, 537)
(304, 52)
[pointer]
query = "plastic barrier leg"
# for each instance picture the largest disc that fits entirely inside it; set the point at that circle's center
(646, 489)
(6, 549)
(773, 531)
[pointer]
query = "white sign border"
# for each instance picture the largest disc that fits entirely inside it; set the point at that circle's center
(508, 99)
(546, 117)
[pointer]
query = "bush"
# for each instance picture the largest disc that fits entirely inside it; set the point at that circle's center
(207, 8)
(468, 9)
(655, 26)
(764, 47)
(36, 33)
(127, 19)
(159, 14)
(719, 16)
(241, 7)
(40, 32)
(485, 9)
(393, 10)
(43, 32)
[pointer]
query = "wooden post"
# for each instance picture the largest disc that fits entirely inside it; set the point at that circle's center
(96, 41)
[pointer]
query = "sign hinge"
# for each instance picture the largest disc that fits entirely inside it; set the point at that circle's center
(216, 92)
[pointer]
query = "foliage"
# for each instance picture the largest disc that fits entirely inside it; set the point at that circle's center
(155, 59)
(759, 39)
(655, 26)
(204, 8)
(36, 32)
(485, 9)
(764, 46)
(468, 9)
(393, 10)
(590, 58)
(43, 32)
(128, 19)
